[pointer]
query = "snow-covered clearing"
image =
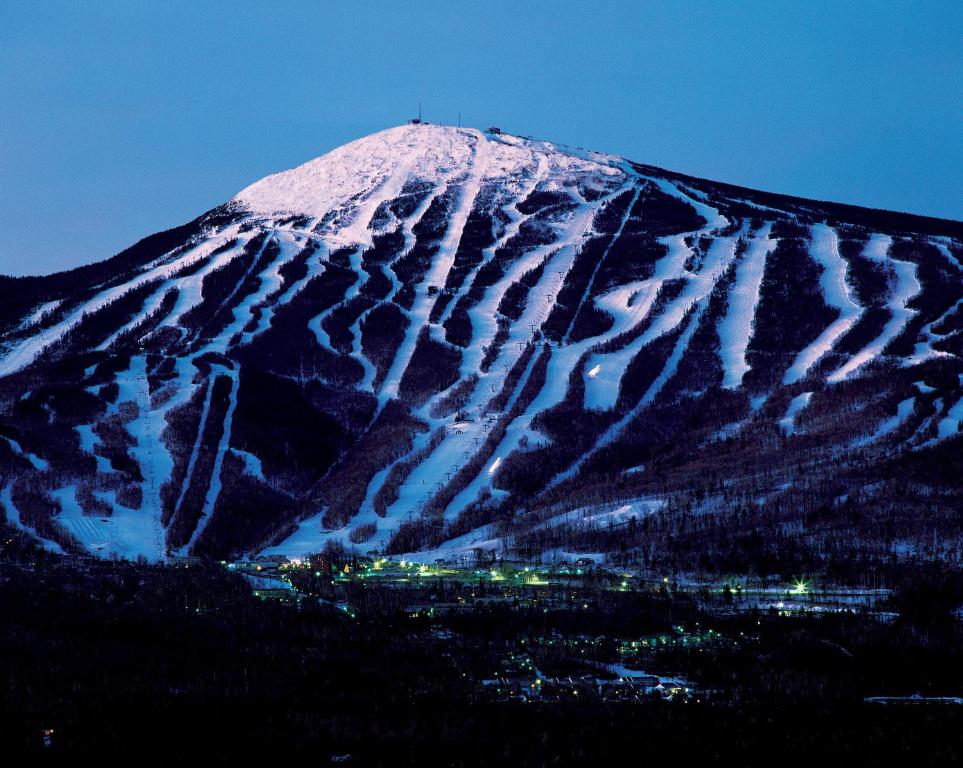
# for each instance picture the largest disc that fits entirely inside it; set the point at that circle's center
(13, 518)
(737, 325)
(123, 534)
(906, 288)
(35, 461)
(788, 422)
(836, 293)
(214, 487)
(903, 412)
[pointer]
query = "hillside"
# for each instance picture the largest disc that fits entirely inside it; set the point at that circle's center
(434, 341)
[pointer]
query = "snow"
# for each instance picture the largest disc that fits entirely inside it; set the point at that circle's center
(836, 293)
(459, 446)
(214, 487)
(788, 422)
(950, 423)
(601, 260)
(941, 246)
(269, 284)
(196, 449)
(736, 326)
(139, 532)
(339, 194)
(903, 411)
(88, 444)
(13, 518)
(437, 274)
(35, 461)
(120, 535)
(907, 287)
(252, 464)
(601, 391)
(636, 300)
(535, 173)
(307, 539)
(266, 582)
(924, 350)
(26, 351)
(606, 514)
(38, 314)
(374, 168)
(462, 548)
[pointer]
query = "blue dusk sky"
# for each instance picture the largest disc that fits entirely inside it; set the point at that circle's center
(118, 119)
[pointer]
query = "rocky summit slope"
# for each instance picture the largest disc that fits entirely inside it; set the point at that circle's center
(438, 340)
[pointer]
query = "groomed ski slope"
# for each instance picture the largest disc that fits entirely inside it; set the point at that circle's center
(907, 287)
(824, 249)
(736, 326)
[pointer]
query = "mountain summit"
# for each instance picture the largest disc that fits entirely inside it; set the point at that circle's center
(440, 341)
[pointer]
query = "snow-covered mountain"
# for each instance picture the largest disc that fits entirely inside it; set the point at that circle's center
(438, 339)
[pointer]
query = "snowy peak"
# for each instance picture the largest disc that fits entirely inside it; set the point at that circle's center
(345, 183)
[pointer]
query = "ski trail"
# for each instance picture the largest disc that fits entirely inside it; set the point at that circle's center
(835, 290)
(519, 427)
(13, 518)
(408, 226)
(195, 451)
(687, 307)
(390, 189)
(668, 371)
(635, 301)
(25, 352)
(437, 274)
(516, 219)
(941, 246)
(144, 530)
(950, 423)
(221, 339)
(591, 283)
(737, 325)
(190, 286)
(798, 404)
(270, 283)
(903, 411)
(923, 350)
(214, 486)
(602, 389)
(461, 444)
(907, 287)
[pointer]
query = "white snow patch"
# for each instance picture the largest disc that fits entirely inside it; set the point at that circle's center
(825, 251)
(907, 287)
(736, 327)
(788, 422)
(120, 535)
(903, 411)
